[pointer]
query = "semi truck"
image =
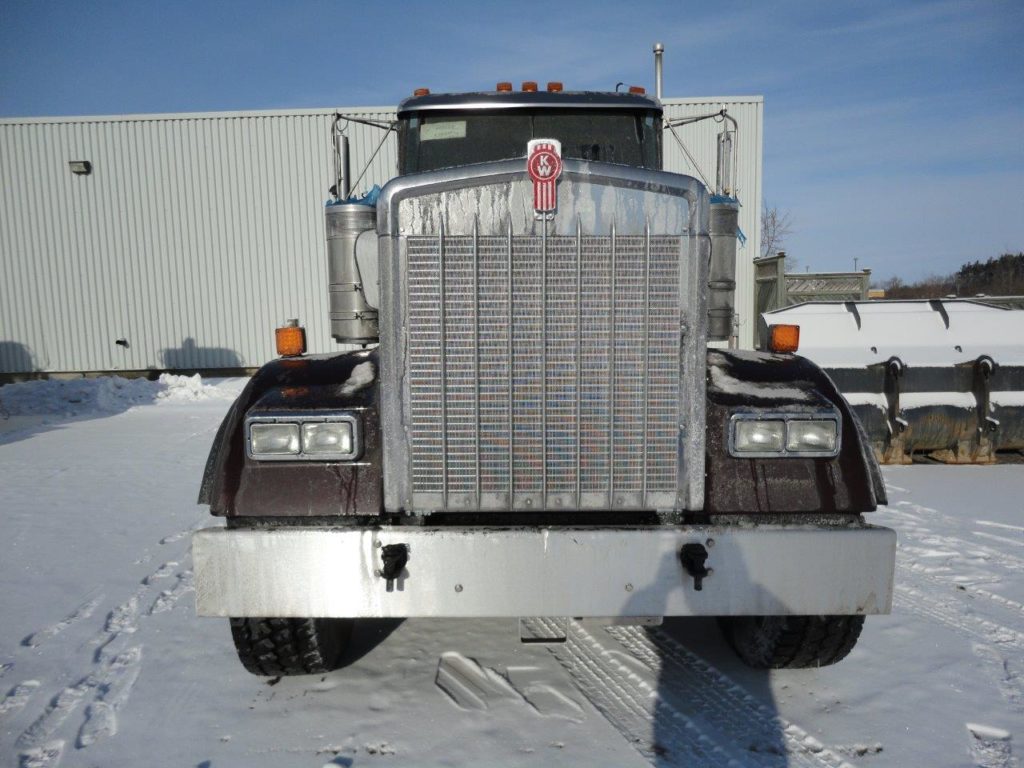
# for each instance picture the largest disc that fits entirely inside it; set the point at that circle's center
(547, 417)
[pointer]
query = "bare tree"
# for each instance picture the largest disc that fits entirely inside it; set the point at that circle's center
(776, 226)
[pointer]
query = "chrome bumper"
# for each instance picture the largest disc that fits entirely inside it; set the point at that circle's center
(463, 572)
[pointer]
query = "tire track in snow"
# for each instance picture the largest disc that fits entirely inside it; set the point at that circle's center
(921, 518)
(674, 707)
(911, 570)
(1002, 526)
(996, 537)
(727, 707)
(912, 592)
(995, 644)
(629, 701)
(918, 541)
(945, 611)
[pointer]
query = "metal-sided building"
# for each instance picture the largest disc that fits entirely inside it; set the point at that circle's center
(191, 236)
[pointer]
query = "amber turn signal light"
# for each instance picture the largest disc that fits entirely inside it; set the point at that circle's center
(555, 87)
(529, 86)
(504, 87)
(637, 89)
(783, 338)
(291, 339)
(421, 92)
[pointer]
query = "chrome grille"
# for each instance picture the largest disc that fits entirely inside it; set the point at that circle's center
(543, 371)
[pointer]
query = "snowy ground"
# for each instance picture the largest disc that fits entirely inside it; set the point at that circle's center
(103, 663)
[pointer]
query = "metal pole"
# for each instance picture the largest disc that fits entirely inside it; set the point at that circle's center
(343, 182)
(659, 50)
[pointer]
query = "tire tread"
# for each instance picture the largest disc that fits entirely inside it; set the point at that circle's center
(793, 642)
(273, 647)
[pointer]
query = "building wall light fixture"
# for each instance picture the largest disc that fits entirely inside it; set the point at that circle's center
(80, 167)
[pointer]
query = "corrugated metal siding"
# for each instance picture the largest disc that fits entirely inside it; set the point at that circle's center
(197, 234)
(194, 236)
(702, 141)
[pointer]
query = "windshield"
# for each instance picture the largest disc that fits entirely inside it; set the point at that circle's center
(446, 139)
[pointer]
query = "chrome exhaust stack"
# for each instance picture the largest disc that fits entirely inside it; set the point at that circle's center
(723, 229)
(353, 319)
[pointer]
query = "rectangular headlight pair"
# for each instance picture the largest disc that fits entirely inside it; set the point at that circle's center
(782, 435)
(313, 437)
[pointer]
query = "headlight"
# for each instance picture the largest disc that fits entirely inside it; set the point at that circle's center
(784, 435)
(296, 436)
(759, 436)
(327, 438)
(818, 435)
(274, 439)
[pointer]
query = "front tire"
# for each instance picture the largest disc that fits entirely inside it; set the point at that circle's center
(273, 647)
(792, 642)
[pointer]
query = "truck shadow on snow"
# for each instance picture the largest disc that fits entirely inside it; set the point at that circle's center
(367, 634)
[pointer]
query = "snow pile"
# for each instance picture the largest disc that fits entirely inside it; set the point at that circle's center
(109, 394)
(192, 388)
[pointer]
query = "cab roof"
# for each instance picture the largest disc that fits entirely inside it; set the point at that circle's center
(493, 100)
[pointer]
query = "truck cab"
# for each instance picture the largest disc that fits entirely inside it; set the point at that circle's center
(536, 425)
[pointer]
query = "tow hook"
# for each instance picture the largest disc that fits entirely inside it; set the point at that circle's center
(394, 558)
(694, 556)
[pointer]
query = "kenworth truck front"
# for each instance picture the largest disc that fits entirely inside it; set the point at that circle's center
(542, 430)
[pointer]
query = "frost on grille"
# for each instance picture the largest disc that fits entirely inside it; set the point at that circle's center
(535, 379)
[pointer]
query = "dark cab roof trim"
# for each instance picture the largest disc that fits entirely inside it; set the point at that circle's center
(489, 100)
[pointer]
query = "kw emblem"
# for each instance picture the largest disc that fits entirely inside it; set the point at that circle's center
(544, 164)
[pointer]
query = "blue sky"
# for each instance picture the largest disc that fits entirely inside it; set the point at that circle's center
(894, 132)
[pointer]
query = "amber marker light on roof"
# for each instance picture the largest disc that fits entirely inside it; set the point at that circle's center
(290, 339)
(504, 87)
(421, 92)
(529, 86)
(637, 89)
(783, 338)
(555, 86)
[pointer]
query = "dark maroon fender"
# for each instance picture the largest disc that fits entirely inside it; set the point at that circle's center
(236, 486)
(738, 381)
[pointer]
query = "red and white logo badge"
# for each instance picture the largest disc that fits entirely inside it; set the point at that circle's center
(544, 164)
